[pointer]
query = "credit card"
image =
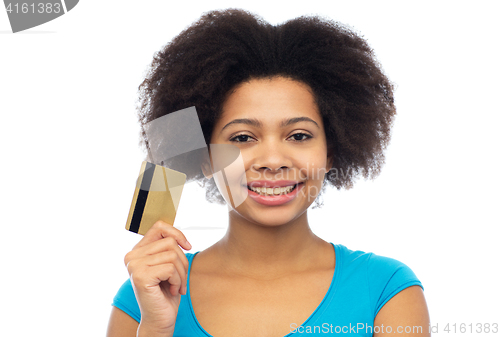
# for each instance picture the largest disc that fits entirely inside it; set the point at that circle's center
(156, 197)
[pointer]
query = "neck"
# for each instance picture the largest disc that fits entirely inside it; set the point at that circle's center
(265, 252)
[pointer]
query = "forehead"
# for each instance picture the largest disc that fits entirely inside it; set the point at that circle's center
(270, 101)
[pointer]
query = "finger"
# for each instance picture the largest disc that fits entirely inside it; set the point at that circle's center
(173, 283)
(142, 265)
(162, 230)
(152, 276)
(165, 244)
(173, 258)
(165, 258)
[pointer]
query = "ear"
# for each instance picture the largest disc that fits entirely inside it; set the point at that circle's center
(207, 172)
(329, 164)
(206, 165)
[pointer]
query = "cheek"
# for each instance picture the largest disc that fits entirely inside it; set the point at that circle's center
(313, 166)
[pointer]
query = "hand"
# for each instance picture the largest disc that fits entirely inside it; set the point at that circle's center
(158, 271)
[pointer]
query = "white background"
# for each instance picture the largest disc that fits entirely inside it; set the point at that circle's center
(70, 156)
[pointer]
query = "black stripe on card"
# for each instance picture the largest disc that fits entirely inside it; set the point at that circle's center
(142, 197)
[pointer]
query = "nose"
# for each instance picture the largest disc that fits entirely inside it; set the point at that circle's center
(271, 155)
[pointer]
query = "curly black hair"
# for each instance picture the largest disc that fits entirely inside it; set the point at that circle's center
(205, 62)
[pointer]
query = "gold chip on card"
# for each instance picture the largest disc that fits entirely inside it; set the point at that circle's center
(156, 197)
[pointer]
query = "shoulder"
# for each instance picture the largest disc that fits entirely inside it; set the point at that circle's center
(377, 266)
(384, 276)
(125, 301)
(372, 261)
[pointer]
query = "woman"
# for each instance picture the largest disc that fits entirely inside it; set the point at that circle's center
(307, 105)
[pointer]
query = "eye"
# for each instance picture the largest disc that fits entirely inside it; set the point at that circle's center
(301, 134)
(243, 138)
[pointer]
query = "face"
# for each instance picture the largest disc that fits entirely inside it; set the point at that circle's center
(278, 130)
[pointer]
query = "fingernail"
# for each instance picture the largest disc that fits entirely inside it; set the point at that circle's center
(188, 244)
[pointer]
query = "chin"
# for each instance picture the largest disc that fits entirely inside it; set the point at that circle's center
(270, 217)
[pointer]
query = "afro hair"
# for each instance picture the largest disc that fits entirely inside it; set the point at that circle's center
(203, 64)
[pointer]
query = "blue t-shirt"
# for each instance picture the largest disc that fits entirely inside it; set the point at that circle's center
(362, 283)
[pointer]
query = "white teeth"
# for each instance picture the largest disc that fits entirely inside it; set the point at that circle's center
(272, 191)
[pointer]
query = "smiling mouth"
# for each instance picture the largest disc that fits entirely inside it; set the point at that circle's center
(269, 191)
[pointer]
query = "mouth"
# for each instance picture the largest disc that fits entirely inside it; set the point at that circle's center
(276, 191)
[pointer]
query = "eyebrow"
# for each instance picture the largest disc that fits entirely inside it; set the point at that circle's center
(258, 124)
